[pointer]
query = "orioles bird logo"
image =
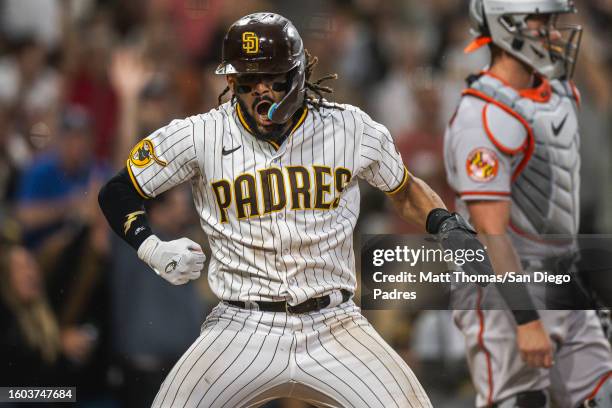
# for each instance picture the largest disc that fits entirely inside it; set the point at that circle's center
(482, 165)
(250, 42)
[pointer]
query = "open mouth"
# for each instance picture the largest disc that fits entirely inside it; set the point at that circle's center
(261, 112)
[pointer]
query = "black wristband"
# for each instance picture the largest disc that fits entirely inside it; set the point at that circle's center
(435, 218)
(519, 301)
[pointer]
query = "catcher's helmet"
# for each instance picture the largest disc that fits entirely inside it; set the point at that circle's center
(267, 43)
(504, 23)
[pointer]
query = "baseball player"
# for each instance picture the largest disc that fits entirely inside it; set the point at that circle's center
(274, 177)
(511, 154)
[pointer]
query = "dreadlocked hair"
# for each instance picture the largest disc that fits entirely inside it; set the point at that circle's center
(222, 94)
(314, 90)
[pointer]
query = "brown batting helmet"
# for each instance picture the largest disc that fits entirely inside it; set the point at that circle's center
(267, 43)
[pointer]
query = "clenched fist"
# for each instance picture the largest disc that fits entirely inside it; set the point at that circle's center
(534, 344)
(177, 261)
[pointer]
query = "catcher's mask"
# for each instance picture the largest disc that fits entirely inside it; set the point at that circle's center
(504, 23)
(267, 43)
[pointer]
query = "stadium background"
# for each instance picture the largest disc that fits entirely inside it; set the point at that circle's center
(82, 80)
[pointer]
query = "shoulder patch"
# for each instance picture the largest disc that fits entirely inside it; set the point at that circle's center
(143, 154)
(482, 164)
(505, 130)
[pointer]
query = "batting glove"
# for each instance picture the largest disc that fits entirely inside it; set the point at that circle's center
(177, 261)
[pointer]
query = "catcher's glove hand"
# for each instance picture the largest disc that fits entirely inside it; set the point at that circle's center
(453, 232)
(177, 261)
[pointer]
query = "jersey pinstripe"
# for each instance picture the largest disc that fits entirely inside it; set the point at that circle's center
(280, 219)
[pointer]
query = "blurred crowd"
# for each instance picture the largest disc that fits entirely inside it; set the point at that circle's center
(81, 81)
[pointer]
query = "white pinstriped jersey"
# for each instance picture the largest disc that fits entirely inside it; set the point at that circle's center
(280, 219)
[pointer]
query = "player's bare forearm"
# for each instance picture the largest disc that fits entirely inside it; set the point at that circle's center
(491, 219)
(501, 252)
(416, 200)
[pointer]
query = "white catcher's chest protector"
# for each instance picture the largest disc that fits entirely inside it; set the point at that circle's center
(546, 164)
